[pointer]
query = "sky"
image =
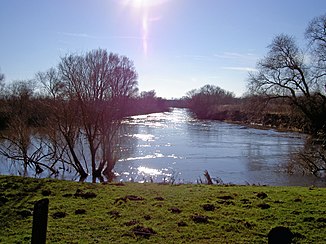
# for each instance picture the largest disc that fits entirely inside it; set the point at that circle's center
(176, 45)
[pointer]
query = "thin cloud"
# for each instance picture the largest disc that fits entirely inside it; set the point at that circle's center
(235, 55)
(84, 35)
(242, 69)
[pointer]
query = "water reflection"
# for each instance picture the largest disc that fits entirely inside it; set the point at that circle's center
(175, 145)
(172, 146)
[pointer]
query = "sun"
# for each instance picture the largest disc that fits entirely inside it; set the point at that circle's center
(143, 3)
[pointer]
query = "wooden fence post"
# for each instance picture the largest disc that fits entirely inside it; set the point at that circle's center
(40, 221)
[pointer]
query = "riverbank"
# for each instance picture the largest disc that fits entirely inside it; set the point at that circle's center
(156, 213)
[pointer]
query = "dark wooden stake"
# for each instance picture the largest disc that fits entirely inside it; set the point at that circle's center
(40, 221)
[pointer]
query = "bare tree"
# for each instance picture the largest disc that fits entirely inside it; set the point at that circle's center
(289, 73)
(204, 102)
(2, 82)
(284, 73)
(100, 84)
(316, 35)
(19, 143)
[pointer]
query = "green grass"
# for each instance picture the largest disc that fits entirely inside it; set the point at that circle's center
(110, 218)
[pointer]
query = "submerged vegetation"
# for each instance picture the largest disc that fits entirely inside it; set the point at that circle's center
(160, 213)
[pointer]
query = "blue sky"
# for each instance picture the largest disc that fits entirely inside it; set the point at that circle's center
(176, 45)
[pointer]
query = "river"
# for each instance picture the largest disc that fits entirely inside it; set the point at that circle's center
(173, 146)
(176, 148)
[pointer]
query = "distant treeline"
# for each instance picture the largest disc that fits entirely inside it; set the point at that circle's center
(212, 102)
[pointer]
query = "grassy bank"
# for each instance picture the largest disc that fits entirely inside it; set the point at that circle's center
(153, 213)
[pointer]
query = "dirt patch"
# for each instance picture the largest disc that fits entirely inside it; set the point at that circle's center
(24, 213)
(308, 219)
(128, 197)
(209, 207)
(297, 200)
(321, 220)
(59, 215)
(175, 210)
(143, 231)
(131, 222)
(199, 219)
(118, 184)
(85, 195)
(226, 197)
(3, 200)
(159, 198)
(46, 193)
(147, 217)
(67, 195)
(245, 201)
(115, 214)
(80, 211)
(182, 224)
(263, 206)
(261, 195)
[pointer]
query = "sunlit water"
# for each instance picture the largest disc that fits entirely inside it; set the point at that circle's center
(173, 146)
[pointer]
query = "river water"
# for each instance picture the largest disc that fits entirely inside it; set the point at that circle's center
(176, 148)
(173, 146)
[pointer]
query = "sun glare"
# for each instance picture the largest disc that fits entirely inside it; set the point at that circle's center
(143, 9)
(143, 3)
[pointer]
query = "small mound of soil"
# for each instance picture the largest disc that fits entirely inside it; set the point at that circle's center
(147, 217)
(3, 200)
(159, 198)
(209, 207)
(279, 235)
(263, 206)
(182, 224)
(297, 200)
(67, 195)
(24, 213)
(115, 214)
(308, 219)
(85, 195)
(46, 193)
(143, 231)
(131, 222)
(245, 201)
(226, 197)
(59, 215)
(262, 195)
(175, 210)
(321, 220)
(119, 184)
(80, 211)
(129, 197)
(226, 202)
(199, 219)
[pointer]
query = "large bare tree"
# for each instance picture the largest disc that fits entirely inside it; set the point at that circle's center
(288, 72)
(100, 83)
